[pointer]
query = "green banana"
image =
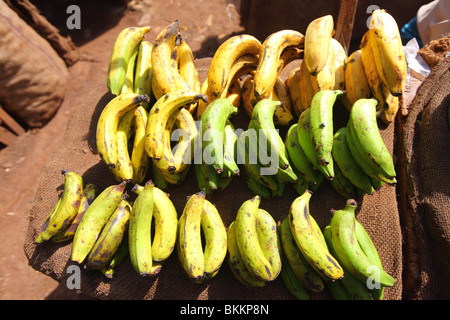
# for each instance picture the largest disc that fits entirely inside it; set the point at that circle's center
(121, 254)
(128, 85)
(230, 139)
(348, 250)
(347, 164)
(297, 156)
(305, 273)
(301, 185)
(290, 280)
(158, 178)
(338, 291)
(262, 121)
(89, 194)
(236, 263)
(110, 237)
(321, 128)
(342, 185)
(213, 121)
(124, 45)
(66, 209)
(189, 244)
(304, 139)
(139, 231)
(94, 220)
(312, 246)
(254, 186)
(356, 288)
(367, 137)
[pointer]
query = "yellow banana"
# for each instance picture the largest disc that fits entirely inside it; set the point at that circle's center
(267, 70)
(139, 158)
(160, 114)
(292, 84)
(124, 45)
(325, 79)
(384, 37)
(66, 208)
(108, 122)
(189, 243)
(341, 58)
(183, 152)
(128, 85)
(306, 88)
(186, 66)
(144, 70)
(356, 84)
(224, 58)
(123, 170)
(318, 37)
(234, 93)
(165, 63)
(313, 247)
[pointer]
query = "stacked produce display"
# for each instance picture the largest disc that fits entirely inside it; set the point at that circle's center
(162, 121)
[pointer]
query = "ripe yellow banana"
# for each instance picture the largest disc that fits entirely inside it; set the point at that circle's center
(186, 66)
(186, 133)
(224, 58)
(267, 71)
(341, 58)
(128, 85)
(356, 84)
(325, 79)
(160, 114)
(66, 209)
(306, 88)
(292, 84)
(126, 42)
(94, 220)
(318, 37)
(139, 158)
(108, 122)
(123, 170)
(312, 246)
(165, 61)
(144, 70)
(384, 37)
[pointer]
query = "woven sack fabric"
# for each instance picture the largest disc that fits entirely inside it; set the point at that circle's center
(77, 152)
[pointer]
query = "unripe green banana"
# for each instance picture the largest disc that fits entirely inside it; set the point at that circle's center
(321, 128)
(367, 137)
(89, 194)
(139, 231)
(313, 247)
(120, 256)
(254, 186)
(305, 273)
(291, 281)
(94, 220)
(338, 291)
(355, 287)
(304, 138)
(248, 242)
(110, 237)
(230, 138)
(347, 164)
(126, 42)
(236, 263)
(342, 185)
(189, 244)
(348, 250)
(65, 210)
(213, 120)
(301, 185)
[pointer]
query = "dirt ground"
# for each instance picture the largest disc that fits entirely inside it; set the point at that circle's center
(205, 23)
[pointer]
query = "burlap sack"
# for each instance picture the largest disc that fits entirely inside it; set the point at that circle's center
(77, 152)
(32, 75)
(424, 141)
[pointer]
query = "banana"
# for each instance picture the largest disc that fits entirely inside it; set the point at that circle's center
(94, 220)
(348, 250)
(236, 263)
(187, 67)
(292, 283)
(144, 71)
(108, 122)
(215, 235)
(267, 71)
(304, 138)
(139, 158)
(247, 85)
(123, 170)
(304, 272)
(298, 158)
(183, 151)
(139, 231)
(159, 116)
(341, 58)
(173, 178)
(230, 138)
(321, 128)
(128, 85)
(189, 243)
(311, 245)
(66, 209)
(164, 60)
(126, 42)
(225, 56)
(213, 123)
(110, 237)
(367, 137)
(347, 164)
(283, 115)
(318, 37)
(234, 93)
(342, 185)
(293, 87)
(356, 84)
(89, 194)
(121, 254)
(338, 291)
(306, 88)
(254, 186)
(157, 178)
(248, 243)
(355, 287)
(385, 40)
(325, 79)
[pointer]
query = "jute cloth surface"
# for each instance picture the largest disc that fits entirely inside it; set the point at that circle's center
(424, 155)
(77, 151)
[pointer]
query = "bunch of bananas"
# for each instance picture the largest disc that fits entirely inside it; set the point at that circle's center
(254, 250)
(378, 69)
(200, 217)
